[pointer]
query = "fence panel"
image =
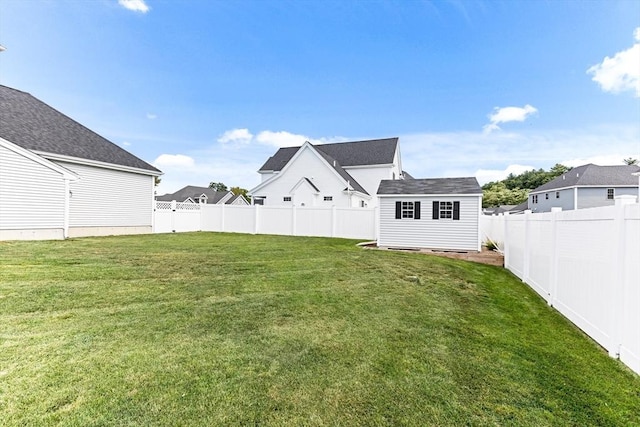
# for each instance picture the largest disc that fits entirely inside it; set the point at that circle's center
(239, 219)
(212, 218)
(276, 220)
(630, 329)
(355, 223)
(312, 221)
(585, 263)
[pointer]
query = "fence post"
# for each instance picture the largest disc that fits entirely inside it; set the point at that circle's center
(617, 293)
(256, 219)
(294, 219)
(505, 234)
(222, 219)
(555, 257)
(173, 216)
(526, 253)
(333, 221)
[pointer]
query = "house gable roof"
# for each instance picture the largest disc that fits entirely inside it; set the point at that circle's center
(430, 186)
(330, 162)
(593, 175)
(31, 124)
(194, 193)
(357, 153)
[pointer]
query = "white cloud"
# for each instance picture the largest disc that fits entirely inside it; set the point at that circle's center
(135, 5)
(489, 175)
(126, 144)
(236, 136)
(622, 72)
(451, 154)
(280, 139)
(151, 116)
(171, 160)
(508, 114)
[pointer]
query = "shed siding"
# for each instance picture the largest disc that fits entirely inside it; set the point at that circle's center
(109, 198)
(31, 194)
(427, 232)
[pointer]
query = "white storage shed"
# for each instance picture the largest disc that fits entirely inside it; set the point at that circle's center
(435, 213)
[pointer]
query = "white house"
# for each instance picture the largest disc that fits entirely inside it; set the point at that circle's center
(206, 195)
(436, 213)
(59, 179)
(585, 186)
(343, 174)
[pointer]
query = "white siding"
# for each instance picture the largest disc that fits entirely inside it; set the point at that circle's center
(306, 165)
(427, 232)
(109, 198)
(31, 194)
(370, 178)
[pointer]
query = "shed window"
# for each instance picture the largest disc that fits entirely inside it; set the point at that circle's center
(446, 210)
(610, 193)
(407, 210)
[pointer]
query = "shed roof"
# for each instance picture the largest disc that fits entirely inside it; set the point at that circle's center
(30, 123)
(592, 175)
(439, 186)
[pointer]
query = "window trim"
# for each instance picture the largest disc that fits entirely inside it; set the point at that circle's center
(455, 210)
(287, 199)
(403, 210)
(327, 199)
(611, 193)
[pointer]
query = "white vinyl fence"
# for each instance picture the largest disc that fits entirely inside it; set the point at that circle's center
(352, 223)
(585, 263)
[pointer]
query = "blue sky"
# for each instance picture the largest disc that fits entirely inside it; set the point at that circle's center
(208, 90)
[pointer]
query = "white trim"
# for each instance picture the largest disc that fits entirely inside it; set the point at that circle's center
(66, 173)
(303, 180)
(375, 165)
(78, 160)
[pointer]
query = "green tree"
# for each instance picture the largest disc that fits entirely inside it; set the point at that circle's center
(498, 194)
(156, 180)
(630, 161)
(218, 186)
(239, 190)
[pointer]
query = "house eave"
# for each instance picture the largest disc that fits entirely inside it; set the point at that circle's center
(80, 161)
(570, 187)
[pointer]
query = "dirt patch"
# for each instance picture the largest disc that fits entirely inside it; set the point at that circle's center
(484, 257)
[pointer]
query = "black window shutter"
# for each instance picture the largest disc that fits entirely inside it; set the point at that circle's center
(416, 210)
(436, 209)
(456, 210)
(398, 210)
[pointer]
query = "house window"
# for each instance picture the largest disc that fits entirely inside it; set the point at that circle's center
(363, 204)
(286, 199)
(259, 201)
(610, 193)
(546, 196)
(534, 198)
(407, 210)
(446, 210)
(557, 194)
(328, 198)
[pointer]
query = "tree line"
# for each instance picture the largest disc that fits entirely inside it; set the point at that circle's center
(514, 189)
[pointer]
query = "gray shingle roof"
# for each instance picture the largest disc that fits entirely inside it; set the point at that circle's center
(441, 186)
(356, 153)
(590, 175)
(30, 123)
(194, 192)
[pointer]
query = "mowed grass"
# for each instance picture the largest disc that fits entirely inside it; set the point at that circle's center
(208, 329)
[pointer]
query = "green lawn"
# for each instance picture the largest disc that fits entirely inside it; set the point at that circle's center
(229, 329)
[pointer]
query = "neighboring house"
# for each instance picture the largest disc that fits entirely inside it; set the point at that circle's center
(59, 179)
(436, 213)
(342, 174)
(585, 186)
(193, 194)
